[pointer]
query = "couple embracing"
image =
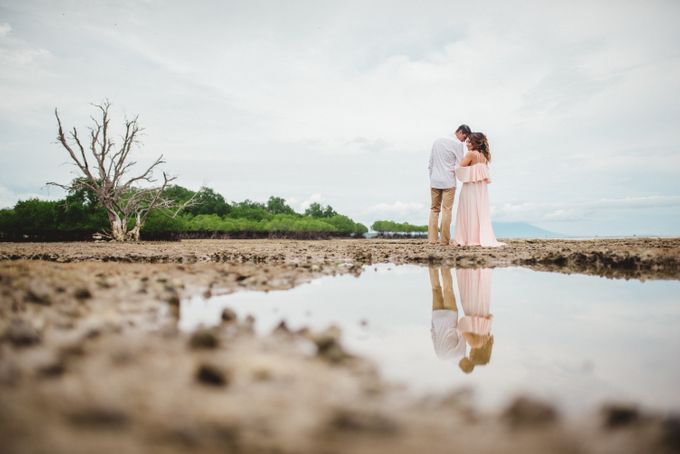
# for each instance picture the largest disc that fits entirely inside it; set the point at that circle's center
(464, 156)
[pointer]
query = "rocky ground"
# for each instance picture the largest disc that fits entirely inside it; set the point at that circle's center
(638, 258)
(91, 358)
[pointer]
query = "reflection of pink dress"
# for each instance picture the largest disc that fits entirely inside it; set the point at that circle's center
(473, 221)
(475, 295)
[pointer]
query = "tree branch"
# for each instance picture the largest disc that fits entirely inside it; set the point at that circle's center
(114, 191)
(147, 175)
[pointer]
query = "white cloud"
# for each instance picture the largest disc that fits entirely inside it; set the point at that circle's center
(578, 210)
(5, 29)
(314, 198)
(21, 56)
(397, 211)
(397, 207)
(15, 52)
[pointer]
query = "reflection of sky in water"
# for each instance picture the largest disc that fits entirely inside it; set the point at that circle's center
(578, 339)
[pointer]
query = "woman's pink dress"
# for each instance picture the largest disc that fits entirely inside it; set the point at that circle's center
(475, 297)
(473, 221)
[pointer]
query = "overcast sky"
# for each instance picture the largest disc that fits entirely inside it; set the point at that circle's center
(339, 101)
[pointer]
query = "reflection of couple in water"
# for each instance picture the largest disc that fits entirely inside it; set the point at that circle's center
(450, 334)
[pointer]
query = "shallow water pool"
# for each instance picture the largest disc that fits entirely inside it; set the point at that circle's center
(576, 340)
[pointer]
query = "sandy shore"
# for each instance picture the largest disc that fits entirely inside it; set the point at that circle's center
(91, 358)
(638, 258)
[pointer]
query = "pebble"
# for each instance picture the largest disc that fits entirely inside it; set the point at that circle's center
(354, 421)
(51, 366)
(173, 300)
(281, 328)
(209, 374)
(328, 345)
(82, 293)
(22, 334)
(203, 338)
(228, 315)
(38, 294)
(619, 415)
(524, 412)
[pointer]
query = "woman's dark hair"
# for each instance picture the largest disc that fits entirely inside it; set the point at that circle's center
(479, 143)
(479, 356)
(464, 129)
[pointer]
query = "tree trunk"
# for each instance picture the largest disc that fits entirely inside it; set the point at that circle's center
(117, 228)
(135, 232)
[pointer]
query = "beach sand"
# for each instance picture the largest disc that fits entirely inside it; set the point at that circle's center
(91, 358)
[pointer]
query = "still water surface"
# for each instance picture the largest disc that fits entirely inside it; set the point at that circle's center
(576, 340)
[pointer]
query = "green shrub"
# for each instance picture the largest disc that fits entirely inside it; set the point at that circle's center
(160, 221)
(35, 215)
(250, 210)
(8, 222)
(307, 224)
(315, 210)
(391, 226)
(277, 205)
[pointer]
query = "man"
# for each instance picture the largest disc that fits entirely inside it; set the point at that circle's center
(445, 155)
(448, 343)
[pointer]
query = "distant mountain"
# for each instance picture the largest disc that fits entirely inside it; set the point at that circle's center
(522, 230)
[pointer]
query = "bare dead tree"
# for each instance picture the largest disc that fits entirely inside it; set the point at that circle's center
(105, 170)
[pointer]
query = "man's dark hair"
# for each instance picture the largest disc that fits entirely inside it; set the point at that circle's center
(465, 129)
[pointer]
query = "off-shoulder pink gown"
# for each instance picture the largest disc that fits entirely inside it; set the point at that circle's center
(475, 297)
(473, 221)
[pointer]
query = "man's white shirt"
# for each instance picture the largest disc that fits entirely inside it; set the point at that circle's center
(445, 155)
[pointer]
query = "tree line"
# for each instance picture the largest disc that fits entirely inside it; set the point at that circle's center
(81, 212)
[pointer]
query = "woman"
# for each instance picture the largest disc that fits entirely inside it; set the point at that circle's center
(475, 326)
(473, 222)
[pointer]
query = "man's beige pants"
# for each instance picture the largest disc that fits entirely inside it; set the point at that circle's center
(442, 201)
(442, 299)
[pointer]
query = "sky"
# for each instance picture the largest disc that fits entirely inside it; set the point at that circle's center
(339, 102)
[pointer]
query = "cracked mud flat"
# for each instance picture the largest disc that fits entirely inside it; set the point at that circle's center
(91, 358)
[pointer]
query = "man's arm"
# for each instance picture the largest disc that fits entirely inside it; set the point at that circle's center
(459, 153)
(467, 160)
